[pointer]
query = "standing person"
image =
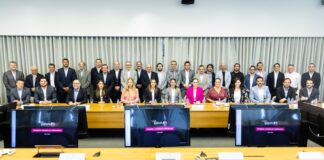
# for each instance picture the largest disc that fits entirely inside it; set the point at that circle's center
(52, 76)
(260, 72)
(186, 76)
(275, 79)
(142, 80)
(236, 74)
(151, 75)
(173, 73)
(127, 73)
(224, 76)
(294, 77)
(313, 75)
(107, 78)
(211, 75)
(95, 71)
(250, 79)
(116, 76)
(84, 77)
(66, 76)
(32, 80)
(162, 77)
(10, 78)
(202, 78)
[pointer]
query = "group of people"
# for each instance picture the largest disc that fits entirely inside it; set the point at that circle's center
(130, 86)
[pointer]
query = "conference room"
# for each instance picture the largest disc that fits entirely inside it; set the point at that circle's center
(171, 79)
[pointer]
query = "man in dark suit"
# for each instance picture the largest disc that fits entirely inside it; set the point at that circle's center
(52, 76)
(275, 79)
(107, 78)
(285, 93)
(309, 93)
(66, 76)
(142, 80)
(116, 76)
(151, 74)
(10, 77)
(20, 94)
(45, 94)
(211, 75)
(311, 74)
(236, 74)
(95, 71)
(77, 95)
(32, 80)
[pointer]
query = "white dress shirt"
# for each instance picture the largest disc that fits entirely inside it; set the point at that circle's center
(52, 79)
(251, 81)
(295, 79)
(237, 96)
(275, 79)
(44, 91)
(187, 77)
(261, 93)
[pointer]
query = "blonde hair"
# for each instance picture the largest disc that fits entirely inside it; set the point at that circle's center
(126, 86)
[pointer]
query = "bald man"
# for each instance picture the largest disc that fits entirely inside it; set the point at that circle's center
(151, 74)
(224, 75)
(32, 80)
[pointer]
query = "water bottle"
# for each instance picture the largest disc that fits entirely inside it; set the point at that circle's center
(101, 99)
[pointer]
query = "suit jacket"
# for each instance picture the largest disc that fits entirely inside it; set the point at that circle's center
(9, 81)
(142, 79)
(204, 82)
(85, 80)
(228, 77)
(213, 78)
(199, 95)
(29, 80)
(254, 94)
(109, 83)
(25, 96)
(96, 98)
(247, 81)
(316, 79)
(117, 80)
(183, 77)
(94, 76)
(271, 82)
(48, 78)
(234, 76)
(177, 95)
(124, 77)
(65, 81)
(173, 75)
(81, 97)
(314, 95)
(280, 94)
(157, 95)
(154, 76)
(50, 94)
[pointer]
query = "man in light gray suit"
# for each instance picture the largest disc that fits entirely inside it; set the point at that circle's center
(45, 94)
(186, 76)
(128, 72)
(84, 77)
(20, 94)
(224, 76)
(10, 77)
(173, 73)
(162, 77)
(202, 78)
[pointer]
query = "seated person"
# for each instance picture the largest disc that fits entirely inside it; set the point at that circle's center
(195, 94)
(101, 94)
(260, 93)
(237, 92)
(20, 94)
(285, 93)
(152, 93)
(173, 93)
(130, 93)
(45, 94)
(77, 95)
(216, 93)
(309, 93)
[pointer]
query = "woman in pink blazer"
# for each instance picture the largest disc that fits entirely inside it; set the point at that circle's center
(195, 94)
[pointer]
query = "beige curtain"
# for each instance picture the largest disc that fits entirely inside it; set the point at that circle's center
(42, 50)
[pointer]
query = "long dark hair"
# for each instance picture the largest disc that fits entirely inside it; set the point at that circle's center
(103, 89)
